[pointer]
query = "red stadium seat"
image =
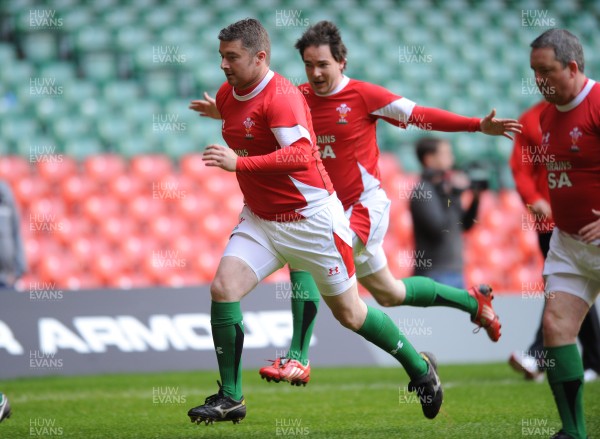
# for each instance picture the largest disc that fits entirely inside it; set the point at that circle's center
(389, 166)
(76, 188)
(529, 244)
(234, 202)
(35, 248)
(81, 280)
(478, 275)
(106, 265)
(206, 263)
(56, 168)
(194, 206)
(173, 189)
(104, 167)
(48, 211)
(142, 208)
(125, 186)
(130, 280)
(100, 207)
(165, 227)
(85, 248)
(151, 168)
(192, 166)
(159, 264)
(71, 227)
(54, 267)
(213, 228)
(13, 168)
(113, 229)
(133, 249)
(28, 189)
(220, 186)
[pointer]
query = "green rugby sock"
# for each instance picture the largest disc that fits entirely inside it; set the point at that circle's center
(424, 292)
(379, 329)
(565, 376)
(305, 303)
(228, 337)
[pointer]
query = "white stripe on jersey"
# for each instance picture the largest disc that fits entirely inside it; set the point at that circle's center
(260, 87)
(579, 98)
(400, 109)
(287, 135)
(315, 197)
(369, 182)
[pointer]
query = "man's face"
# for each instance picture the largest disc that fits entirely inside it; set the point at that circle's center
(324, 73)
(442, 159)
(555, 82)
(242, 69)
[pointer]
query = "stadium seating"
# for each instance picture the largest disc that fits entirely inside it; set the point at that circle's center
(87, 161)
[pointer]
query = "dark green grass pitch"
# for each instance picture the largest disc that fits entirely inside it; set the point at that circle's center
(481, 401)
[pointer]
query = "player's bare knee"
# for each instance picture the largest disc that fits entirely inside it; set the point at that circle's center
(348, 319)
(556, 324)
(221, 289)
(385, 300)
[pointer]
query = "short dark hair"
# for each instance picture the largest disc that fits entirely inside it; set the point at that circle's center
(427, 146)
(321, 34)
(251, 32)
(567, 46)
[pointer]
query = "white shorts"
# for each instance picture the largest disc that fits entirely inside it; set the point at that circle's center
(369, 220)
(320, 244)
(572, 267)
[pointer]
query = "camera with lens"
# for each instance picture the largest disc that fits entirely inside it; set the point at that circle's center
(479, 176)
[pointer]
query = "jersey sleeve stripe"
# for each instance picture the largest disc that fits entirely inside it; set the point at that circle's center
(400, 110)
(287, 135)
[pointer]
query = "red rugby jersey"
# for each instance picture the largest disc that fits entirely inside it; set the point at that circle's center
(572, 135)
(279, 169)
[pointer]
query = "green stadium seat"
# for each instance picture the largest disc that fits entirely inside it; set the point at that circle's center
(129, 38)
(179, 145)
(122, 93)
(196, 18)
(19, 73)
(104, 5)
(95, 38)
(31, 146)
(160, 84)
(121, 18)
(76, 18)
(7, 54)
(99, 67)
(63, 72)
(113, 129)
(80, 147)
(94, 110)
(178, 36)
(40, 46)
(133, 146)
(142, 5)
(48, 109)
(79, 90)
(70, 127)
(158, 18)
(14, 127)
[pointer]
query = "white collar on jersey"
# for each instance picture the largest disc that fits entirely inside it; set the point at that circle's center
(258, 88)
(579, 98)
(343, 83)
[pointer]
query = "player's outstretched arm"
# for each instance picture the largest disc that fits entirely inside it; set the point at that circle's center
(499, 127)
(589, 233)
(207, 107)
(220, 156)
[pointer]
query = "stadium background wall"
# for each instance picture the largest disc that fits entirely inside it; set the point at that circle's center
(160, 329)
